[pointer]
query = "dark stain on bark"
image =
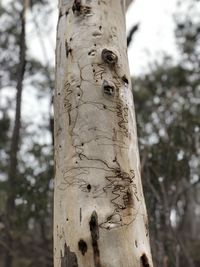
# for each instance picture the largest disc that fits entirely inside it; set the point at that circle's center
(76, 6)
(68, 49)
(144, 260)
(79, 9)
(108, 89)
(94, 230)
(89, 187)
(69, 258)
(124, 79)
(80, 215)
(82, 246)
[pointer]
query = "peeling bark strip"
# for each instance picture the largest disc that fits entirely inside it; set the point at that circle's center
(69, 258)
(94, 229)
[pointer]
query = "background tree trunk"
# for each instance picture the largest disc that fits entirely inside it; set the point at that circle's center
(14, 147)
(99, 212)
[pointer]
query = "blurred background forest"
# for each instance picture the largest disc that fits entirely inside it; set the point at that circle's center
(167, 102)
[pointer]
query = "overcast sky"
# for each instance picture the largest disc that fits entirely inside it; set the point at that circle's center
(156, 33)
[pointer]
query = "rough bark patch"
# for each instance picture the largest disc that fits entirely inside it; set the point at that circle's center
(94, 229)
(69, 258)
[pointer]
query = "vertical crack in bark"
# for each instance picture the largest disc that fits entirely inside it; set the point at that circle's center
(69, 259)
(94, 229)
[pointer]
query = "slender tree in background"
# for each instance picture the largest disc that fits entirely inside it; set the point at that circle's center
(15, 139)
(25, 185)
(99, 211)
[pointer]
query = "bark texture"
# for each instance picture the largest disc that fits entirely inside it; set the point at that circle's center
(99, 213)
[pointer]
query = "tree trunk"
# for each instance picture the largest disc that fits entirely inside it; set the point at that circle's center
(99, 212)
(14, 148)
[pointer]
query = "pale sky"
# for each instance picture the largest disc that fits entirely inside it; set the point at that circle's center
(156, 32)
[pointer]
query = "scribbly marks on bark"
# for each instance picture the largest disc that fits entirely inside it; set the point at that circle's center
(119, 187)
(122, 115)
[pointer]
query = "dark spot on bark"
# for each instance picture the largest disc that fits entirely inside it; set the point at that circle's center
(66, 13)
(76, 6)
(124, 79)
(89, 187)
(144, 261)
(91, 52)
(104, 106)
(69, 258)
(82, 246)
(68, 49)
(100, 27)
(94, 229)
(109, 57)
(80, 215)
(59, 15)
(136, 244)
(115, 159)
(79, 9)
(108, 89)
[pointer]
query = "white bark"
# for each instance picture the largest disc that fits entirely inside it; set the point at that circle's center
(99, 213)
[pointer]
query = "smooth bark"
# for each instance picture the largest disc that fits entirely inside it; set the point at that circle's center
(99, 211)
